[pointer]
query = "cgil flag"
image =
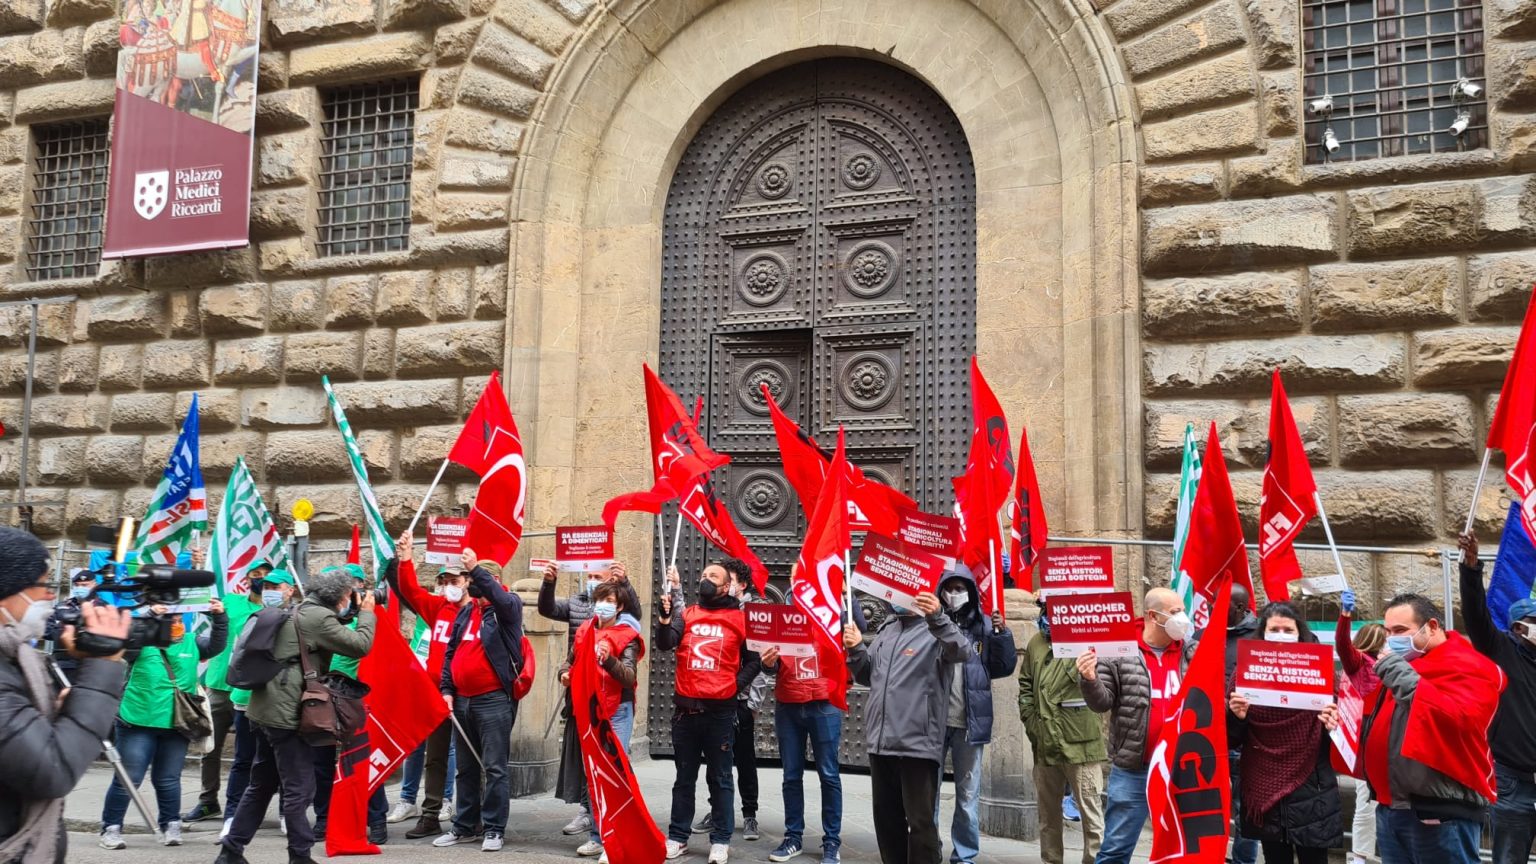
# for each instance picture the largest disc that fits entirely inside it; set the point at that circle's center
(378, 535)
(983, 490)
(180, 505)
(1287, 499)
(1028, 532)
(1513, 429)
(1215, 552)
(816, 585)
(490, 445)
(243, 534)
(1189, 482)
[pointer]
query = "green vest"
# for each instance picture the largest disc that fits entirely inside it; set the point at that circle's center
(239, 608)
(147, 701)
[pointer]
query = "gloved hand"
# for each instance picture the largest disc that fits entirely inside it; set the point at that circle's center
(1347, 600)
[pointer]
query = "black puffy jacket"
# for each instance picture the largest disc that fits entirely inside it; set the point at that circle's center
(1309, 816)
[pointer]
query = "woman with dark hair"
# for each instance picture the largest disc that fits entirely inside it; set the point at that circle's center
(1290, 793)
(1357, 654)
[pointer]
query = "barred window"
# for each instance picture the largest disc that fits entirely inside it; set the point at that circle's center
(69, 200)
(365, 168)
(1391, 77)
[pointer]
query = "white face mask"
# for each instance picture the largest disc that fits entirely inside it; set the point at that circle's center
(33, 621)
(955, 599)
(453, 593)
(1178, 627)
(1281, 636)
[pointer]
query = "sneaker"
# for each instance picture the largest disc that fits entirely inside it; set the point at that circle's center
(603, 858)
(378, 834)
(112, 837)
(749, 828)
(426, 826)
(492, 842)
(402, 811)
(704, 825)
(172, 834)
(580, 824)
(787, 850)
(452, 838)
(831, 857)
(719, 853)
(675, 849)
(224, 832)
(1069, 810)
(200, 812)
(589, 848)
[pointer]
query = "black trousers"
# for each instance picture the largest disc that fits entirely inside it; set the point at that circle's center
(708, 739)
(905, 792)
(282, 758)
(1278, 852)
(746, 760)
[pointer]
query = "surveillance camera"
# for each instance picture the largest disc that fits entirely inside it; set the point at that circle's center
(1460, 124)
(1330, 141)
(1467, 89)
(1322, 105)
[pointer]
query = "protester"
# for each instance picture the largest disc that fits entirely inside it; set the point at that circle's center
(1512, 738)
(1137, 692)
(744, 751)
(908, 669)
(1357, 654)
(1290, 794)
(146, 734)
(438, 611)
(282, 756)
(48, 737)
(1426, 738)
(480, 666)
(1241, 624)
(1068, 743)
(713, 665)
(274, 590)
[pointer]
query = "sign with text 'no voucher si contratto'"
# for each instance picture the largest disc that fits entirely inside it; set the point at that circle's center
(1105, 623)
(1076, 570)
(584, 548)
(1285, 674)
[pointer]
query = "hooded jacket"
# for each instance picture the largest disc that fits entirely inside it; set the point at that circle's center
(989, 655)
(908, 668)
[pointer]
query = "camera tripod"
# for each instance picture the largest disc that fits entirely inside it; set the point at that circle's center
(116, 759)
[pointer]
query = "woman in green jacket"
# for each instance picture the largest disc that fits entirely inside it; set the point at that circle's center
(145, 735)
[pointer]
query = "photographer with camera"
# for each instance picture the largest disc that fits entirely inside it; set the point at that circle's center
(48, 738)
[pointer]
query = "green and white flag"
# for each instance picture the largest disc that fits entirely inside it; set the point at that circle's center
(244, 534)
(1189, 482)
(378, 535)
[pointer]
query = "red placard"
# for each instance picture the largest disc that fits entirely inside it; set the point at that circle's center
(1104, 622)
(445, 539)
(894, 571)
(1285, 674)
(936, 535)
(786, 628)
(584, 548)
(1076, 570)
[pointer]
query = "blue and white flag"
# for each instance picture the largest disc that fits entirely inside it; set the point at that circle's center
(180, 505)
(1514, 569)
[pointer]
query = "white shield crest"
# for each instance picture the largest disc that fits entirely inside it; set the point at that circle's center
(151, 191)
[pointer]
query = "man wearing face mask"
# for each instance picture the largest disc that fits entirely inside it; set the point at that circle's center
(1513, 744)
(744, 750)
(1137, 692)
(46, 742)
(1425, 737)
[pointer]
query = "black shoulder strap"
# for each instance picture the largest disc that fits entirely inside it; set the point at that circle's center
(309, 671)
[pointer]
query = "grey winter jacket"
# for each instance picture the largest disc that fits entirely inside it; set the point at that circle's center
(908, 667)
(1124, 687)
(276, 703)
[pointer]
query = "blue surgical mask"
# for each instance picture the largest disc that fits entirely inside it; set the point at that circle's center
(900, 610)
(592, 585)
(271, 598)
(1402, 644)
(80, 592)
(605, 609)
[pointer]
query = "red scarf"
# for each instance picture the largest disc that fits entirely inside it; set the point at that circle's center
(1451, 711)
(1279, 754)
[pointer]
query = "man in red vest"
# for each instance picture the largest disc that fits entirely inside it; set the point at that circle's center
(713, 663)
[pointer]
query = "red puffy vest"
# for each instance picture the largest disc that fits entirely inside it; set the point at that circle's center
(709, 656)
(609, 691)
(802, 679)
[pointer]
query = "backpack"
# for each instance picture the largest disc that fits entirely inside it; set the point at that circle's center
(254, 662)
(524, 681)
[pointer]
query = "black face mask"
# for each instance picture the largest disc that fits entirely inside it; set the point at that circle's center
(708, 590)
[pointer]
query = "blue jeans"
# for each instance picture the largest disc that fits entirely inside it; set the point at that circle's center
(1514, 816)
(820, 723)
(1402, 839)
(965, 830)
(484, 790)
(623, 723)
(410, 777)
(162, 753)
(1124, 816)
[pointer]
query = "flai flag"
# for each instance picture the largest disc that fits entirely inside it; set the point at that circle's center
(378, 535)
(1189, 482)
(180, 505)
(983, 490)
(1513, 429)
(816, 585)
(1027, 534)
(1214, 551)
(243, 534)
(490, 445)
(1287, 499)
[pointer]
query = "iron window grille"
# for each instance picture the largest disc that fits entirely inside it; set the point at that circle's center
(69, 199)
(365, 168)
(1394, 72)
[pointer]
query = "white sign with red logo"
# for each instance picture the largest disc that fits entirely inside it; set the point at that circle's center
(584, 548)
(1285, 674)
(1076, 570)
(937, 535)
(1104, 622)
(445, 539)
(894, 571)
(783, 627)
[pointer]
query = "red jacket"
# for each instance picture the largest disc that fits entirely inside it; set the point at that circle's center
(429, 607)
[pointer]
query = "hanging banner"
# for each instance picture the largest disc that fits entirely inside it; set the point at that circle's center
(1285, 674)
(1104, 622)
(182, 127)
(1076, 570)
(584, 548)
(445, 539)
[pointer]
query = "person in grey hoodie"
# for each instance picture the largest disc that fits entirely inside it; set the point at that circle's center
(908, 667)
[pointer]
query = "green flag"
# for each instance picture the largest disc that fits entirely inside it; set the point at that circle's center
(1189, 481)
(244, 534)
(378, 535)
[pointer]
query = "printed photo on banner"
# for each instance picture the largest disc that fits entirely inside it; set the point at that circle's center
(936, 535)
(584, 548)
(894, 571)
(1285, 674)
(786, 628)
(1104, 622)
(1076, 570)
(445, 539)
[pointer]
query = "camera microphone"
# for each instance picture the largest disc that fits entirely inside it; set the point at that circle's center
(160, 576)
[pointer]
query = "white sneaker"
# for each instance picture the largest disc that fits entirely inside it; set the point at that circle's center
(402, 811)
(172, 835)
(589, 848)
(675, 849)
(603, 858)
(112, 837)
(578, 825)
(228, 824)
(491, 843)
(719, 853)
(282, 825)
(451, 839)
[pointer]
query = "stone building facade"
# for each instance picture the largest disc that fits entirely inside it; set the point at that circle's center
(1154, 234)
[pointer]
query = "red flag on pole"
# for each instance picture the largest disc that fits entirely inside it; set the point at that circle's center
(1189, 789)
(1513, 429)
(1027, 537)
(1214, 549)
(1286, 501)
(700, 506)
(649, 501)
(355, 551)
(679, 454)
(490, 446)
(983, 489)
(816, 585)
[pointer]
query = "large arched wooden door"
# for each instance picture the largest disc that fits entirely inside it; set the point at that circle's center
(820, 238)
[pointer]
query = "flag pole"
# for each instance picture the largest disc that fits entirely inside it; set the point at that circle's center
(1477, 490)
(997, 575)
(1328, 532)
(661, 534)
(427, 497)
(677, 537)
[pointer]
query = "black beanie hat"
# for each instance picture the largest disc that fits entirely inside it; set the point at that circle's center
(23, 558)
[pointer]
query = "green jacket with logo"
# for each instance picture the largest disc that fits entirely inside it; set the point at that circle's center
(147, 700)
(1061, 727)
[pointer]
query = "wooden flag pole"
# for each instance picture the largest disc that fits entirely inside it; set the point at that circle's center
(1328, 532)
(1477, 491)
(427, 497)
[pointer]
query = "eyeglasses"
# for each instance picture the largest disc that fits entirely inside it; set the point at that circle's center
(46, 586)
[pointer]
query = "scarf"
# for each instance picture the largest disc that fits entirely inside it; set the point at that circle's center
(1451, 710)
(1279, 754)
(36, 840)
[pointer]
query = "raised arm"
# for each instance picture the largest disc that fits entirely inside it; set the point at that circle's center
(212, 643)
(1476, 621)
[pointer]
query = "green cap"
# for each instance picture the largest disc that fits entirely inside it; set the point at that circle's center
(355, 571)
(279, 577)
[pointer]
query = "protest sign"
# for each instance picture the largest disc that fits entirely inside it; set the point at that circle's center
(445, 539)
(1104, 622)
(1076, 570)
(783, 627)
(584, 548)
(894, 571)
(936, 535)
(1285, 674)
(192, 600)
(538, 565)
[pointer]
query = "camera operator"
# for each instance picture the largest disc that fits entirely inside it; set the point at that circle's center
(81, 581)
(47, 738)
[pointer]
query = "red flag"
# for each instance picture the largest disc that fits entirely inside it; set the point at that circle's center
(983, 489)
(355, 551)
(1027, 537)
(816, 584)
(1214, 550)
(629, 835)
(1286, 500)
(700, 506)
(1189, 790)
(403, 709)
(1514, 421)
(679, 454)
(490, 446)
(649, 501)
